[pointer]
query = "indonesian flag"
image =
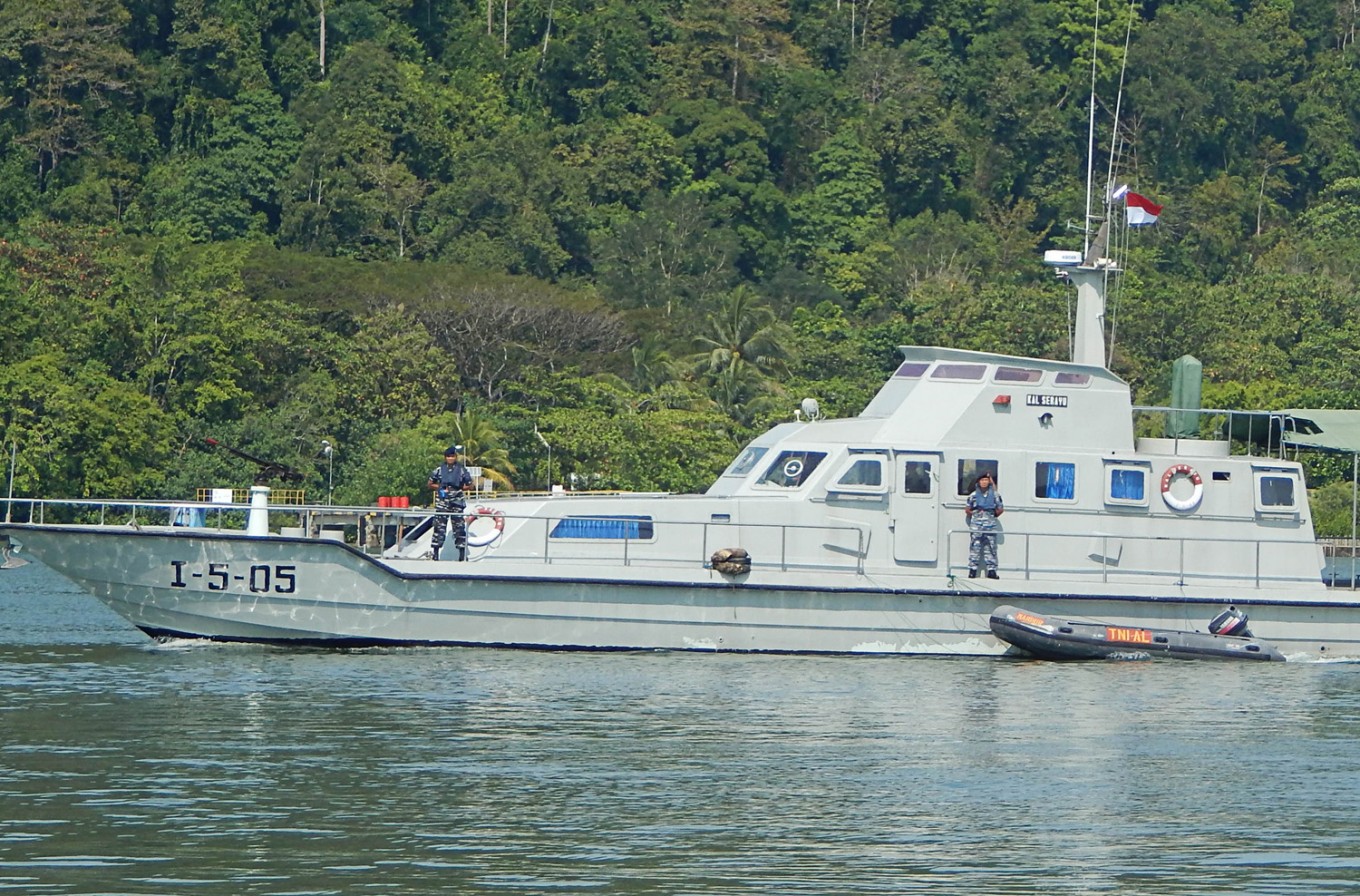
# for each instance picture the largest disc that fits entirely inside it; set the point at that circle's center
(1141, 210)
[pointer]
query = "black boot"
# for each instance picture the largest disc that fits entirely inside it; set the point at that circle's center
(991, 574)
(972, 573)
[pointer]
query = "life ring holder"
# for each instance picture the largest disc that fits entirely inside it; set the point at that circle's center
(1184, 505)
(497, 518)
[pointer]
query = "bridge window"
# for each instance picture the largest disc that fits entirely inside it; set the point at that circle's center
(745, 462)
(944, 371)
(867, 471)
(911, 370)
(862, 479)
(791, 468)
(1017, 375)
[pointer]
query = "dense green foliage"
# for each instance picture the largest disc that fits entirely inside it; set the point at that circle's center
(641, 229)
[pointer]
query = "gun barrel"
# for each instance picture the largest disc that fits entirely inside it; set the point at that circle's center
(268, 469)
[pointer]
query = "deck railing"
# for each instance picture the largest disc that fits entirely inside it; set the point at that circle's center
(1175, 567)
(1243, 431)
(375, 530)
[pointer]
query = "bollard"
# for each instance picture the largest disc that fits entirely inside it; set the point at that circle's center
(257, 524)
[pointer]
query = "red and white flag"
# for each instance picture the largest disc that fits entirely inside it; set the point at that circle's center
(1141, 211)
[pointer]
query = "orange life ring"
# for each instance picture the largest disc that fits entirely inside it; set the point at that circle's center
(1185, 505)
(497, 518)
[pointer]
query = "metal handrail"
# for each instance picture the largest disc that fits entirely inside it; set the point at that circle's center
(1028, 570)
(315, 518)
(778, 536)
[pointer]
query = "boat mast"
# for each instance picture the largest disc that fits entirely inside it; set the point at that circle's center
(1090, 140)
(13, 458)
(1092, 274)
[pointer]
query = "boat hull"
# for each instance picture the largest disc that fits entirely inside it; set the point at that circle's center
(299, 591)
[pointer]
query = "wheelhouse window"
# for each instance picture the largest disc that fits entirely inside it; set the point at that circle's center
(911, 370)
(1126, 485)
(604, 528)
(864, 472)
(1072, 379)
(946, 371)
(970, 469)
(791, 468)
(916, 478)
(746, 461)
(1017, 375)
(862, 478)
(1276, 492)
(1055, 481)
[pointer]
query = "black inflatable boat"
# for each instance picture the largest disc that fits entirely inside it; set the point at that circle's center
(1057, 638)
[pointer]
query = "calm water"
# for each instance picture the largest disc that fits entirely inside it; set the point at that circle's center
(128, 767)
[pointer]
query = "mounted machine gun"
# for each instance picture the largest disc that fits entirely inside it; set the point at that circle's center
(269, 470)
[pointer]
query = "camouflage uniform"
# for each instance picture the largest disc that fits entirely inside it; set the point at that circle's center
(984, 506)
(450, 503)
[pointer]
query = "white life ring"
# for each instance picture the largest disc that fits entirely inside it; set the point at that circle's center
(1182, 504)
(497, 518)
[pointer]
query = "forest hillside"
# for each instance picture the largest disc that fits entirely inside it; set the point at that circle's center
(605, 242)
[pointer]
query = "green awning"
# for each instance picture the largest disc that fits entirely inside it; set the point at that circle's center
(1322, 429)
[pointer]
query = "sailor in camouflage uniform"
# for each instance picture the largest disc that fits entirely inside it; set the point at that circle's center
(984, 506)
(448, 481)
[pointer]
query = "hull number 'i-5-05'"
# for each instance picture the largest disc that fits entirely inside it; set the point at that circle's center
(280, 578)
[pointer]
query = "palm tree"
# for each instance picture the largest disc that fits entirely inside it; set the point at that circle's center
(652, 365)
(748, 345)
(482, 446)
(745, 333)
(741, 393)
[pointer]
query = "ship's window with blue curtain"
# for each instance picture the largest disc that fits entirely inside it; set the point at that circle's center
(911, 370)
(1128, 485)
(1055, 481)
(605, 528)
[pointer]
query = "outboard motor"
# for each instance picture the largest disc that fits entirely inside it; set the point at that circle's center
(1231, 622)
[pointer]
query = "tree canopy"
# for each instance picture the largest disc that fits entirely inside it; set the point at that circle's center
(642, 230)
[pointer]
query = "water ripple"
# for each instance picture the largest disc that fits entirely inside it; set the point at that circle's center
(130, 767)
